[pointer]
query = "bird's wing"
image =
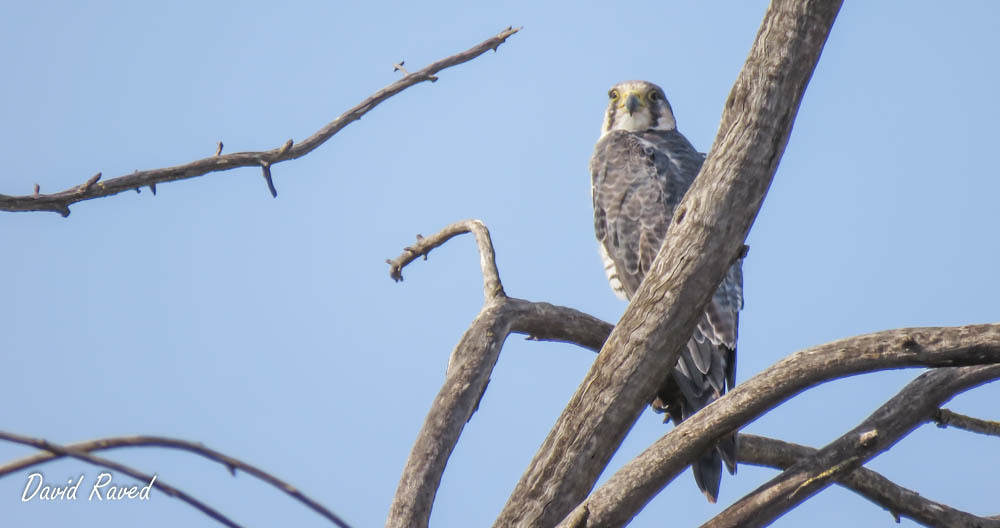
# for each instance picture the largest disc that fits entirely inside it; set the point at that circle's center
(635, 187)
(637, 180)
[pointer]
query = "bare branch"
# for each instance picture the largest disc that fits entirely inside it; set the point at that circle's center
(492, 287)
(914, 405)
(466, 377)
(899, 501)
(470, 367)
(945, 418)
(121, 468)
(629, 489)
(231, 463)
(60, 201)
(706, 234)
(476, 354)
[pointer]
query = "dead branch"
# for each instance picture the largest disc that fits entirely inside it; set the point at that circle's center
(616, 501)
(708, 231)
(945, 418)
(492, 288)
(897, 500)
(470, 366)
(59, 202)
(914, 405)
(231, 463)
(121, 468)
(475, 355)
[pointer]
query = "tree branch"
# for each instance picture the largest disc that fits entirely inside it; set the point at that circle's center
(541, 321)
(121, 468)
(470, 366)
(479, 348)
(706, 234)
(492, 288)
(899, 501)
(945, 418)
(632, 486)
(914, 405)
(59, 202)
(231, 463)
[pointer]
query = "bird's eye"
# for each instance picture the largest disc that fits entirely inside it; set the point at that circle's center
(613, 94)
(654, 96)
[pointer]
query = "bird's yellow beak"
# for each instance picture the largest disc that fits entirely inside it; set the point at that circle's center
(632, 101)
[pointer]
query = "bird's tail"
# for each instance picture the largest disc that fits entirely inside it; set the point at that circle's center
(693, 384)
(708, 468)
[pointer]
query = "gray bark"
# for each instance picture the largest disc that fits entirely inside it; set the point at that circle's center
(470, 366)
(917, 403)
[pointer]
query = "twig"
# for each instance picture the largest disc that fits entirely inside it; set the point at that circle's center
(624, 494)
(945, 418)
(897, 500)
(266, 167)
(90, 183)
(121, 468)
(60, 201)
(914, 405)
(231, 463)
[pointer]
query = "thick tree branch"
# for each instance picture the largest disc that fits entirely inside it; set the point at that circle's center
(945, 418)
(631, 487)
(173, 443)
(470, 366)
(899, 501)
(59, 202)
(915, 404)
(706, 234)
(121, 468)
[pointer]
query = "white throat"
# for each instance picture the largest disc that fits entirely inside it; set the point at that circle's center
(638, 122)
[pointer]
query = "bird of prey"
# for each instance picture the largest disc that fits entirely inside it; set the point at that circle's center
(640, 170)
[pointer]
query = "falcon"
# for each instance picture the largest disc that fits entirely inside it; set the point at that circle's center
(640, 170)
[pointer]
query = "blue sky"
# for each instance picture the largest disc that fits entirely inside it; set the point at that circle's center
(270, 330)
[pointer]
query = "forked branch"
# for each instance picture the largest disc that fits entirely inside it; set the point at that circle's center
(899, 501)
(475, 355)
(470, 366)
(492, 288)
(915, 404)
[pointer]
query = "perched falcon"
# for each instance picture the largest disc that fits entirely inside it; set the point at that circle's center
(640, 170)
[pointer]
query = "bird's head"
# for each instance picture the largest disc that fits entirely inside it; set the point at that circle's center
(637, 106)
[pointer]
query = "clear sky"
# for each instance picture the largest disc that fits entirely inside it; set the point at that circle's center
(270, 330)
